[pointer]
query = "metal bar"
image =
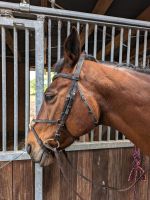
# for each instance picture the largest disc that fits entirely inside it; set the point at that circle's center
(78, 27)
(123, 137)
(103, 43)
(129, 46)
(108, 133)
(49, 52)
(100, 132)
(79, 146)
(15, 89)
(121, 45)
(86, 37)
(95, 41)
(39, 61)
(137, 48)
(145, 48)
(116, 134)
(27, 77)
(74, 14)
(112, 44)
(68, 28)
(59, 41)
(92, 136)
(4, 107)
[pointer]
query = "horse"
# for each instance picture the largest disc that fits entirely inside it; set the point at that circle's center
(85, 93)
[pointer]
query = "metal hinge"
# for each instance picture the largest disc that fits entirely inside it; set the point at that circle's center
(24, 6)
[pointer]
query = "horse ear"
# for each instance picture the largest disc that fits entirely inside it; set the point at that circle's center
(72, 48)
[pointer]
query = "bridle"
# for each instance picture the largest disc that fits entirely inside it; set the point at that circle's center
(74, 88)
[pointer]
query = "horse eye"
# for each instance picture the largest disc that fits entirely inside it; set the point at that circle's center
(49, 97)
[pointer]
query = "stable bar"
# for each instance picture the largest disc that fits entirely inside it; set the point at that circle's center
(108, 133)
(78, 27)
(116, 134)
(92, 135)
(27, 87)
(49, 51)
(95, 41)
(121, 45)
(86, 37)
(100, 132)
(15, 88)
(137, 48)
(74, 14)
(59, 41)
(103, 43)
(112, 44)
(4, 107)
(145, 48)
(129, 46)
(39, 63)
(68, 27)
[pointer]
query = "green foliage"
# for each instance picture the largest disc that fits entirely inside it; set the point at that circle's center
(33, 84)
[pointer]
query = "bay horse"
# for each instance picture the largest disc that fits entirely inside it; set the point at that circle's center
(85, 93)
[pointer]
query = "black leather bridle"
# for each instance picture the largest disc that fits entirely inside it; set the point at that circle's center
(67, 107)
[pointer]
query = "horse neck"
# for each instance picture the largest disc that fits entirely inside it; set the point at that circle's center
(119, 94)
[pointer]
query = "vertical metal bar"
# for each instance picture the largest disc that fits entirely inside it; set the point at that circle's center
(95, 41)
(108, 133)
(4, 111)
(129, 46)
(103, 43)
(49, 52)
(86, 37)
(27, 75)
(137, 48)
(145, 48)
(78, 27)
(39, 61)
(112, 44)
(116, 134)
(100, 132)
(15, 89)
(68, 27)
(59, 41)
(92, 135)
(121, 45)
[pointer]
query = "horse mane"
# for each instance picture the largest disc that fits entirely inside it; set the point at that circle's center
(124, 65)
(58, 66)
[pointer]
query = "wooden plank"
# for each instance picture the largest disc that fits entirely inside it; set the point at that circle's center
(100, 174)
(66, 190)
(124, 167)
(84, 165)
(6, 182)
(51, 182)
(145, 15)
(142, 186)
(23, 180)
(100, 8)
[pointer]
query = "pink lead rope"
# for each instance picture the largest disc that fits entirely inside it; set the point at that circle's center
(137, 170)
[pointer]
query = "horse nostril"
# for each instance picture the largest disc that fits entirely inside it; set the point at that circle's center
(29, 148)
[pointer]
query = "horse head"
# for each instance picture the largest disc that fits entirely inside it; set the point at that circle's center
(69, 107)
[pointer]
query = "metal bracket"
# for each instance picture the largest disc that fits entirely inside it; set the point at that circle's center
(24, 6)
(6, 13)
(40, 17)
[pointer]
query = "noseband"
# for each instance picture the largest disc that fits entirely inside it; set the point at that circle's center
(67, 107)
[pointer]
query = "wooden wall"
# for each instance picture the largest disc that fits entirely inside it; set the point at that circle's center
(111, 166)
(17, 181)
